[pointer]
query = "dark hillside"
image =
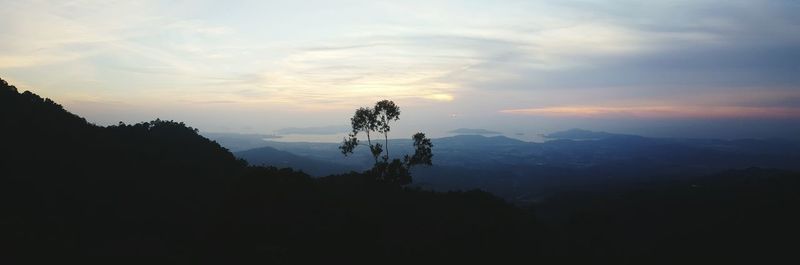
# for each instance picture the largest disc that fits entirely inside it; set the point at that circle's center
(70, 189)
(731, 216)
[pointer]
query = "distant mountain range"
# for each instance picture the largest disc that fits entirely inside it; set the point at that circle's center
(519, 170)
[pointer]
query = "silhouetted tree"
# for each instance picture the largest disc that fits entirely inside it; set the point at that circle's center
(422, 151)
(377, 119)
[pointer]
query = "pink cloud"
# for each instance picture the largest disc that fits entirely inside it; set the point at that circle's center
(698, 112)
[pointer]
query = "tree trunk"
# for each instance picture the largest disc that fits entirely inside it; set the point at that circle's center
(386, 138)
(369, 141)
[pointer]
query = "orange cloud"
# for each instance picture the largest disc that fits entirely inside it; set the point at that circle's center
(662, 112)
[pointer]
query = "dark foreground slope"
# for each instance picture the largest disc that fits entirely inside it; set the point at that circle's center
(70, 189)
(735, 216)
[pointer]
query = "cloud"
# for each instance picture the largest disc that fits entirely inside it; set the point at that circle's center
(440, 97)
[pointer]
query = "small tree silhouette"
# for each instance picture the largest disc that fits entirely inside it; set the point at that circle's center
(423, 152)
(377, 119)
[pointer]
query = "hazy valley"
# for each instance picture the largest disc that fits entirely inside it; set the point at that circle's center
(523, 171)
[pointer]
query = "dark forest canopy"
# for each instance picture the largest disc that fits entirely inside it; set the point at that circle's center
(70, 190)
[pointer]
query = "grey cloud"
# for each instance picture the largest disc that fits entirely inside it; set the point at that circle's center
(344, 47)
(753, 45)
(685, 66)
(205, 102)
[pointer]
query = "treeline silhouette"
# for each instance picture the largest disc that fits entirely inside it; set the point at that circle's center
(70, 190)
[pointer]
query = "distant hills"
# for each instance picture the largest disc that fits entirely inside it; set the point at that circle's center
(269, 156)
(239, 142)
(520, 170)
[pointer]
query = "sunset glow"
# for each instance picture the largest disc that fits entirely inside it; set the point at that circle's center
(692, 112)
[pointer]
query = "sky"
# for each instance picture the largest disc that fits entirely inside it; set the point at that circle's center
(698, 68)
